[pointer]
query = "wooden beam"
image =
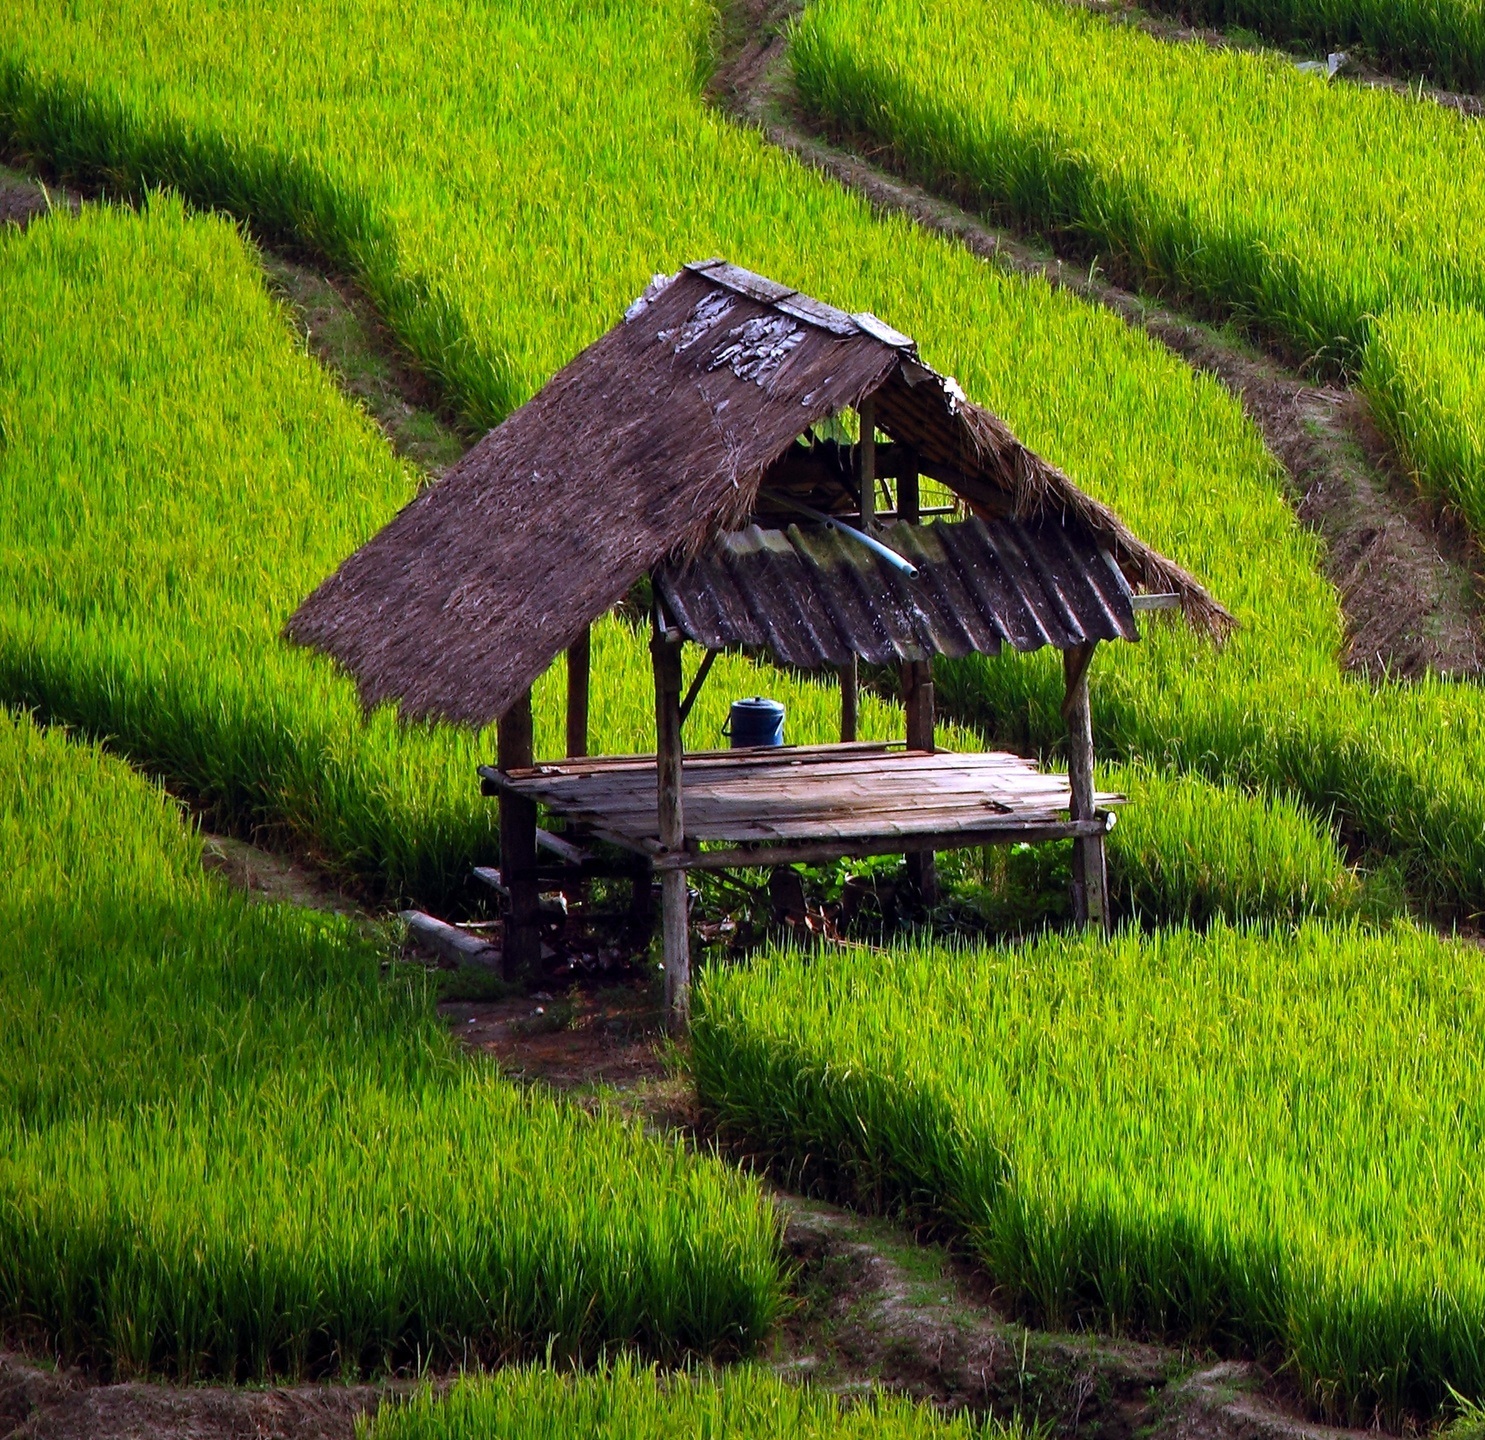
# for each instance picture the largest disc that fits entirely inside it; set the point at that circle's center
(1090, 872)
(522, 947)
(813, 852)
(562, 848)
(866, 463)
(850, 699)
(579, 670)
(917, 700)
(449, 941)
(674, 921)
(702, 671)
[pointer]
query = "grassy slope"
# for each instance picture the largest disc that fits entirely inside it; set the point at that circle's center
(1197, 170)
(230, 1146)
(1256, 1141)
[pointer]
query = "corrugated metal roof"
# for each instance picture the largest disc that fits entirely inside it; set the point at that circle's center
(813, 597)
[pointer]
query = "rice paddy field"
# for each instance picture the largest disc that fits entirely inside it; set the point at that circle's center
(145, 595)
(1339, 219)
(158, 534)
(413, 171)
(1260, 1141)
(231, 1146)
(625, 1403)
(238, 1142)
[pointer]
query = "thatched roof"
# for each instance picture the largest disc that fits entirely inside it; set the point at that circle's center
(650, 445)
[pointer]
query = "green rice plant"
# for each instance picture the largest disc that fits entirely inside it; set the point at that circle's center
(1444, 41)
(1425, 374)
(1304, 211)
(318, 1222)
(502, 184)
(229, 1145)
(1187, 850)
(621, 1402)
(1259, 1141)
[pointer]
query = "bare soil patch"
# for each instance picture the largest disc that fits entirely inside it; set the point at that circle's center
(608, 1037)
(1405, 570)
(22, 199)
(344, 332)
(268, 875)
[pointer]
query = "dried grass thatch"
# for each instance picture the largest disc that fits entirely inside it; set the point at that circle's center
(647, 446)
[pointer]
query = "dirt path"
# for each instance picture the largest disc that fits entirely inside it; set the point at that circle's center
(344, 332)
(1404, 571)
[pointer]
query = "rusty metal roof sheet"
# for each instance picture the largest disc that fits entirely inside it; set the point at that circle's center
(814, 597)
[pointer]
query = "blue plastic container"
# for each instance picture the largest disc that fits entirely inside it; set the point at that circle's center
(754, 722)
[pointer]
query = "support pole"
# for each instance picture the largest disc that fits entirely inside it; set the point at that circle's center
(521, 952)
(674, 921)
(579, 668)
(866, 464)
(1090, 874)
(909, 505)
(850, 692)
(917, 700)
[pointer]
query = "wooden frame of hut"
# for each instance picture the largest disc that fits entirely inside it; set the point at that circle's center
(684, 446)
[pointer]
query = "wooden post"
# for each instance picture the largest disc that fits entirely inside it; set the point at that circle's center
(522, 947)
(1090, 875)
(850, 692)
(866, 463)
(674, 921)
(917, 700)
(579, 667)
(909, 505)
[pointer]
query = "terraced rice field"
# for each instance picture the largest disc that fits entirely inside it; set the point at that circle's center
(250, 1151)
(629, 1404)
(1262, 1142)
(489, 298)
(1338, 219)
(145, 595)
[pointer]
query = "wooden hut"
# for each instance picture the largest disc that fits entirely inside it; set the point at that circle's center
(685, 445)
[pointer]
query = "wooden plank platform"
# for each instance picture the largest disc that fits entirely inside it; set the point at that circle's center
(768, 807)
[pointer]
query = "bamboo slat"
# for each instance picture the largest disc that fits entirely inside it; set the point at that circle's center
(849, 796)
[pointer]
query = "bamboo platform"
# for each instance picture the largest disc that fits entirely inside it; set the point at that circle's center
(808, 803)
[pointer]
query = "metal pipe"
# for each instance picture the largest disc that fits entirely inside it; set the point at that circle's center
(891, 556)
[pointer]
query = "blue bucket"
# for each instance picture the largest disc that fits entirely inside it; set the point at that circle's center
(755, 722)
